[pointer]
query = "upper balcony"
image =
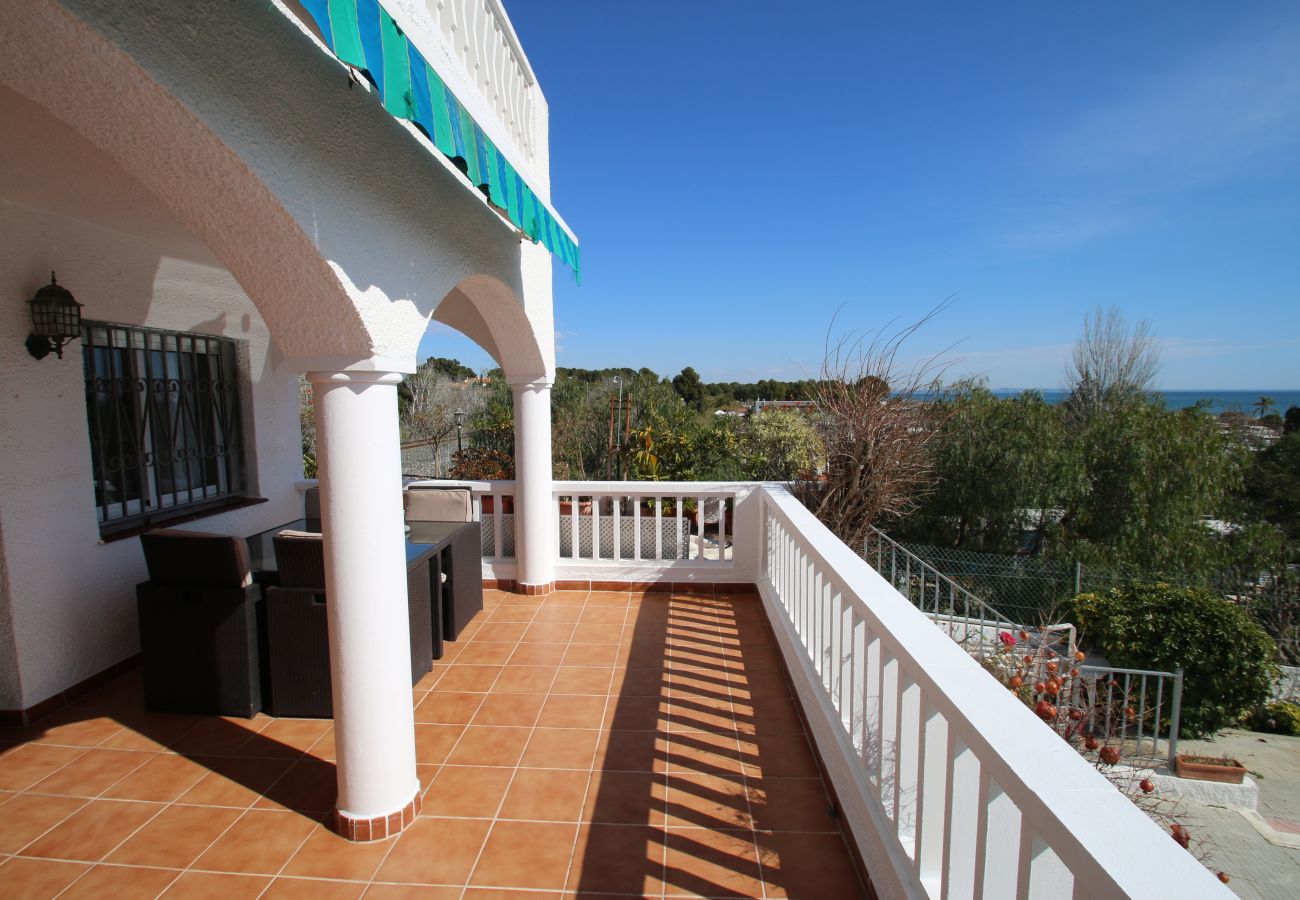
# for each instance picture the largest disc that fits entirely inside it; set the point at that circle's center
(484, 43)
(472, 48)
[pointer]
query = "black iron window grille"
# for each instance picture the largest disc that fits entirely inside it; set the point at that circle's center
(165, 428)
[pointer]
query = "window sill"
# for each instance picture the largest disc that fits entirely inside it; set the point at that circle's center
(179, 517)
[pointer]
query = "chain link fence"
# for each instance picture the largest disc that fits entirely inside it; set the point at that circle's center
(428, 459)
(1037, 590)
(1135, 708)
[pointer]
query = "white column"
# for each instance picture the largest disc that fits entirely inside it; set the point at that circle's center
(534, 505)
(359, 467)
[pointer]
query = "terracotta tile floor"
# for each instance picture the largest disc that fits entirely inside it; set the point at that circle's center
(583, 744)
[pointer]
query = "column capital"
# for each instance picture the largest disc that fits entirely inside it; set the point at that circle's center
(530, 384)
(355, 377)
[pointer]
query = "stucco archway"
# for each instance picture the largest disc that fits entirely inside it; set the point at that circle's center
(119, 109)
(298, 185)
(488, 312)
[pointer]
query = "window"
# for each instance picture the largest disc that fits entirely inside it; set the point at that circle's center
(165, 431)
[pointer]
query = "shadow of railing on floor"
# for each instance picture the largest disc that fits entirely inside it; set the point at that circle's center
(681, 804)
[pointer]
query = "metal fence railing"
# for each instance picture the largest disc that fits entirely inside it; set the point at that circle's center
(1138, 710)
(1135, 708)
(966, 618)
(1036, 590)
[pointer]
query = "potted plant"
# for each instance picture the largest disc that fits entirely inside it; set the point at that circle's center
(1209, 768)
(584, 507)
(485, 464)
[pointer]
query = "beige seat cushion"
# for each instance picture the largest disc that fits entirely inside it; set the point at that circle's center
(439, 505)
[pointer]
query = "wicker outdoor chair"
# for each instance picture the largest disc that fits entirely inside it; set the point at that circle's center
(458, 569)
(298, 632)
(198, 618)
(311, 503)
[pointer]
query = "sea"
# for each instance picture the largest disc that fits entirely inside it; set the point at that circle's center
(1220, 401)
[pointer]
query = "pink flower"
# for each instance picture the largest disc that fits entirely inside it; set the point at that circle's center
(1006, 639)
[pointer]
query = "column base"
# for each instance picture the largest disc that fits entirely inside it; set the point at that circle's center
(535, 590)
(377, 828)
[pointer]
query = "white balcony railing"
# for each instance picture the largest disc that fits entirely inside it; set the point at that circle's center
(483, 41)
(626, 531)
(949, 785)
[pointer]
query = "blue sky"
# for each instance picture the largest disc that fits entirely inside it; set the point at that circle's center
(739, 171)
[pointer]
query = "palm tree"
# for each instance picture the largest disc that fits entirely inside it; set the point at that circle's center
(1264, 404)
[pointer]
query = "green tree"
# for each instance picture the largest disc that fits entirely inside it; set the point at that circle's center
(1273, 485)
(653, 412)
(998, 466)
(717, 451)
(451, 368)
(780, 445)
(1226, 658)
(1143, 481)
(688, 387)
(307, 424)
(1291, 421)
(1263, 404)
(492, 424)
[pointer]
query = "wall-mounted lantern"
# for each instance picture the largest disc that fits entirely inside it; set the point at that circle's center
(56, 319)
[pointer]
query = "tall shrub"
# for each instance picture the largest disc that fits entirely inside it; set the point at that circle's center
(1226, 658)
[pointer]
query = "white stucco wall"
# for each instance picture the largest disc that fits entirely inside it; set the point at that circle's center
(303, 187)
(202, 165)
(67, 601)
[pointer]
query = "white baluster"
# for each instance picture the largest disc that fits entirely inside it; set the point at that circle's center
(960, 816)
(999, 855)
(617, 525)
(873, 709)
(889, 682)
(931, 796)
(908, 743)
(636, 527)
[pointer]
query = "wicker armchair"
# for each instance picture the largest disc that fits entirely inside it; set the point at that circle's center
(297, 630)
(311, 503)
(298, 633)
(458, 569)
(198, 618)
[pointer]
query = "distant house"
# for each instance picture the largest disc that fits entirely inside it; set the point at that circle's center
(760, 405)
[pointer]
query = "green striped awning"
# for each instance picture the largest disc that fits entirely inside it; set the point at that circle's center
(362, 34)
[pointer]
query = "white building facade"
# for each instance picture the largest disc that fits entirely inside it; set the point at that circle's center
(236, 197)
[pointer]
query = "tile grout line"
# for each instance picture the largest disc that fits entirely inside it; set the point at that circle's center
(90, 800)
(605, 730)
(469, 876)
(452, 749)
(288, 859)
(164, 805)
(695, 659)
(744, 773)
(423, 791)
(686, 619)
(115, 847)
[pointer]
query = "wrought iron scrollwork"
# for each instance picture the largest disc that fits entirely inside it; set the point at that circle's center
(164, 418)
